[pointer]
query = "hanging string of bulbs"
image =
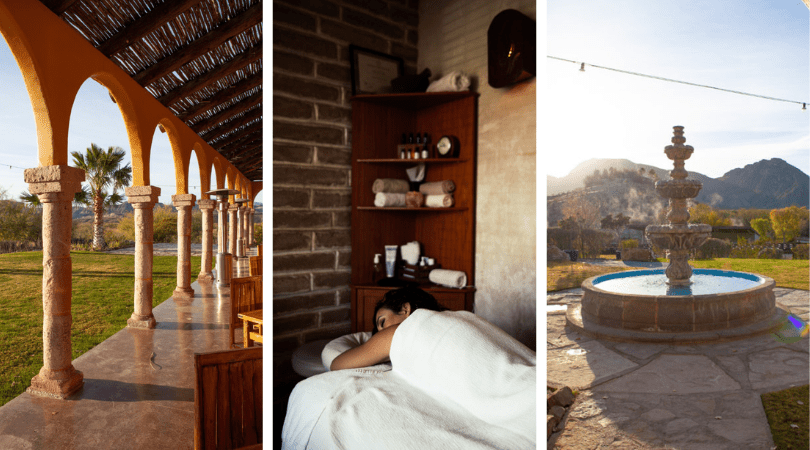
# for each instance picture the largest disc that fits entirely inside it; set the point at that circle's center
(582, 69)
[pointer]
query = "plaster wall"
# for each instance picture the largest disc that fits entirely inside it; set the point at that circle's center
(453, 37)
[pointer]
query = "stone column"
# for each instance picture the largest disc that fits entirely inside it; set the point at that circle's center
(55, 186)
(251, 215)
(232, 229)
(143, 199)
(183, 203)
(207, 208)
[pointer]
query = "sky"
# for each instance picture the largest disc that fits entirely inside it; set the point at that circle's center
(758, 47)
(94, 119)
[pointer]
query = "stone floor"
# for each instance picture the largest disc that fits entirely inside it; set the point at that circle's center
(138, 385)
(651, 396)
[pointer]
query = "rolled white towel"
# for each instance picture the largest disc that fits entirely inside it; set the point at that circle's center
(449, 278)
(382, 199)
(453, 81)
(390, 185)
(438, 201)
(437, 187)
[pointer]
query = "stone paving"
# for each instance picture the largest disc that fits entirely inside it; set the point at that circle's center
(656, 396)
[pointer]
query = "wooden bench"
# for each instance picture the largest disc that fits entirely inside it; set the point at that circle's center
(255, 266)
(246, 295)
(228, 399)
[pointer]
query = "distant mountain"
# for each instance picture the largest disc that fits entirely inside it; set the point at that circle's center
(774, 178)
(767, 184)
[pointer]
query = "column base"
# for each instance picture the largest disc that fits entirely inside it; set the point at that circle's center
(183, 292)
(58, 384)
(205, 277)
(139, 321)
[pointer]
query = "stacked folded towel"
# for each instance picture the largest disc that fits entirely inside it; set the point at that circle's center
(389, 192)
(438, 194)
(437, 187)
(391, 199)
(390, 185)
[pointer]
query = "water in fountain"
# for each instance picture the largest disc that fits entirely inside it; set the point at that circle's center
(677, 304)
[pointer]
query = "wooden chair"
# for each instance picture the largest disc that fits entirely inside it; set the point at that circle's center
(259, 249)
(255, 266)
(246, 295)
(228, 399)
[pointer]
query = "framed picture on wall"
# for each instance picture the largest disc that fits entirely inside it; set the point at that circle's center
(372, 71)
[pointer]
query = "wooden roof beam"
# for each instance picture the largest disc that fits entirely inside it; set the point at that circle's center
(237, 136)
(222, 96)
(227, 113)
(254, 139)
(242, 150)
(224, 129)
(144, 25)
(58, 6)
(213, 39)
(212, 76)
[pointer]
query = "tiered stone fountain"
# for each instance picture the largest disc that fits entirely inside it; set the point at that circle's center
(678, 304)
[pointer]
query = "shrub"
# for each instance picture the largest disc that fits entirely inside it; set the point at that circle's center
(770, 253)
(593, 241)
(744, 251)
(165, 225)
(637, 254)
(714, 248)
(257, 233)
(629, 243)
(800, 251)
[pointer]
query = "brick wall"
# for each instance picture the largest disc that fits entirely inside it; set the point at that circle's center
(312, 158)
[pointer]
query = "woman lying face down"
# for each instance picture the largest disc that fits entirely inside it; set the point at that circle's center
(393, 309)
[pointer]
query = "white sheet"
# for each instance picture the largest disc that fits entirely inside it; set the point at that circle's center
(457, 382)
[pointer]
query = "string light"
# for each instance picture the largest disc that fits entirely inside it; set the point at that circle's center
(582, 69)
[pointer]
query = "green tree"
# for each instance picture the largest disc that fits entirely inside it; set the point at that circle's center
(763, 228)
(104, 176)
(703, 213)
(786, 222)
(80, 198)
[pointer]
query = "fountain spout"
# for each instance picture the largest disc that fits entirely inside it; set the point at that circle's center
(678, 237)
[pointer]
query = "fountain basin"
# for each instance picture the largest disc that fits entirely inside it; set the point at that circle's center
(641, 306)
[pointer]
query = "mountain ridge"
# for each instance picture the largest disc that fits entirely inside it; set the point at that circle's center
(766, 184)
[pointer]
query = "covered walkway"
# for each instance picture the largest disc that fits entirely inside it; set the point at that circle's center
(138, 384)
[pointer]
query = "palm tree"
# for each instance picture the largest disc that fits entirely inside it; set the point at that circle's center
(104, 176)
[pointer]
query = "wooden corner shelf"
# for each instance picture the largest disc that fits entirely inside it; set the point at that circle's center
(445, 234)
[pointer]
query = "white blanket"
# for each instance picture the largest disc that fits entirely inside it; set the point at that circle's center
(457, 382)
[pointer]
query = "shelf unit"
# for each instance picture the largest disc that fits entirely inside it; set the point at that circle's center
(446, 234)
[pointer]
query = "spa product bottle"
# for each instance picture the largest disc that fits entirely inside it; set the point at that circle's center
(378, 268)
(425, 147)
(402, 149)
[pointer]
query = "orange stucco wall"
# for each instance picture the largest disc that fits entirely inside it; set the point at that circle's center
(56, 60)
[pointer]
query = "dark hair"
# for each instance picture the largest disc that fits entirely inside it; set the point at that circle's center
(395, 300)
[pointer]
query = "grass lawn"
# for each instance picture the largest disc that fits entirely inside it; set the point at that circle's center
(561, 275)
(788, 273)
(103, 300)
(788, 416)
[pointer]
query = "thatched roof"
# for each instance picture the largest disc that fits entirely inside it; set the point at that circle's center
(201, 59)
